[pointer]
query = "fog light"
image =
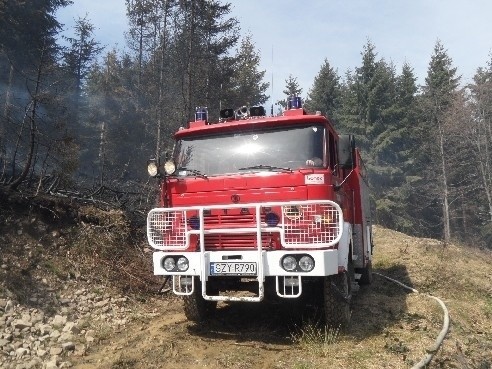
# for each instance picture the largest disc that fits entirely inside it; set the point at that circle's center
(306, 263)
(169, 264)
(289, 263)
(182, 264)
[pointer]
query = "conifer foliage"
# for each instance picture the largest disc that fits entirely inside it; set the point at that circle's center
(77, 115)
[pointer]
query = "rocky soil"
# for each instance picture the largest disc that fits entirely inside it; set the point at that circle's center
(55, 325)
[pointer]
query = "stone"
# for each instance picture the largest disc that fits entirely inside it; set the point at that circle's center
(59, 320)
(21, 324)
(21, 351)
(71, 327)
(65, 336)
(56, 350)
(68, 346)
(9, 306)
(101, 303)
(52, 363)
(55, 334)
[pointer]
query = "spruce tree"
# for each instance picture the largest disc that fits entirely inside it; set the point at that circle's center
(292, 89)
(247, 86)
(325, 94)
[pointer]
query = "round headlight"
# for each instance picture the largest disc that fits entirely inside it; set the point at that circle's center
(182, 264)
(306, 263)
(169, 167)
(152, 168)
(169, 264)
(289, 263)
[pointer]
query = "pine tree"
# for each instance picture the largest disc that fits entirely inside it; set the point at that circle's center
(325, 94)
(292, 89)
(78, 60)
(247, 86)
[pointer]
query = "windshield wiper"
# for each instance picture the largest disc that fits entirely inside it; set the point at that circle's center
(267, 167)
(194, 172)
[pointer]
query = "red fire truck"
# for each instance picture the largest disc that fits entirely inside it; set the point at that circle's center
(257, 207)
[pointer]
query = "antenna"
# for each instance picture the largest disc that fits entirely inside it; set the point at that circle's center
(271, 113)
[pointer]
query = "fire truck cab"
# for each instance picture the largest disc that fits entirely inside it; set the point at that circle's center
(256, 207)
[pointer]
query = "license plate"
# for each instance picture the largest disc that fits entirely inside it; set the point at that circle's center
(232, 268)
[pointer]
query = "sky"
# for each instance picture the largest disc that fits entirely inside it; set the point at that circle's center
(295, 37)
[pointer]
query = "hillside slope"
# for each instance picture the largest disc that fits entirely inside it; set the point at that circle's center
(94, 273)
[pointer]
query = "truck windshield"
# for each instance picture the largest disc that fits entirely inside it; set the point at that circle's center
(285, 148)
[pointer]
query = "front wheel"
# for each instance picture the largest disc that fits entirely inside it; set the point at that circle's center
(196, 308)
(337, 298)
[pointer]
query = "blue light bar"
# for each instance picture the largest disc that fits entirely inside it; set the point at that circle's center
(294, 102)
(200, 113)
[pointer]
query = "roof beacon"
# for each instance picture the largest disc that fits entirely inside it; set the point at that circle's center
(201, 113)
(294, 102)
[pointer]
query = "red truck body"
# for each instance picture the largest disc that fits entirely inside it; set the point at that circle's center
(257, 207)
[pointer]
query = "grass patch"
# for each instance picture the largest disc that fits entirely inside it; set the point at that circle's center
(488, 307)
(124, 363)
(316, 339)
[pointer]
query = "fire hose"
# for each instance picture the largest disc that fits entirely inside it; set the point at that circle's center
(431, 351)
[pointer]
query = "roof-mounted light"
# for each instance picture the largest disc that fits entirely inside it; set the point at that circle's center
(227, 114)
(257, 111)
(294, 102)
(201, 113)
(153, 167)
(242, 112)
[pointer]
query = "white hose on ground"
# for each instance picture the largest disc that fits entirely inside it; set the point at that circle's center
(445, 326)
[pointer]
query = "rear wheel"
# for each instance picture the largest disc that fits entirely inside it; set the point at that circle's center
(337, 297)
(196, 308)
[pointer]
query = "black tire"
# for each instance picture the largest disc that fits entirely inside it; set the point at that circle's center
(337, 298)
(366, 274)
(196, 308)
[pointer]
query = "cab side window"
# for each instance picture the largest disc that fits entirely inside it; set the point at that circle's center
(332, 146)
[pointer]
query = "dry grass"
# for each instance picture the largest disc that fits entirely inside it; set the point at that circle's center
(393, 328)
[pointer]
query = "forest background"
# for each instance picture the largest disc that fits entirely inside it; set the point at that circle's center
(80, 120)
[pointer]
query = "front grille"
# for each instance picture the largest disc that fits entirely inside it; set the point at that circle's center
(235, 241)
(302, 224)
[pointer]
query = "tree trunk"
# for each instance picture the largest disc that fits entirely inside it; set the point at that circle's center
(32, 126)
(445, 190)
(5, 122)
(160, 112)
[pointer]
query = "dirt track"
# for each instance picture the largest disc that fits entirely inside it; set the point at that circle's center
(262, 336)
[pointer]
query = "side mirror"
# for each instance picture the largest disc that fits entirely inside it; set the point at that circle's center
(346, 148)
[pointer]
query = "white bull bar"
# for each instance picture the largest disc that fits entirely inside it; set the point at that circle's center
(303, 225)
